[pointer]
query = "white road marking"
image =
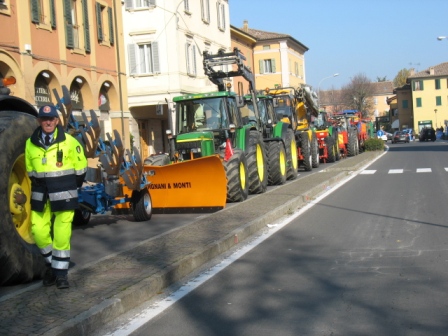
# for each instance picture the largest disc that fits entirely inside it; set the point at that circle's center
(424, 170)
(367, 172)
(395, 171)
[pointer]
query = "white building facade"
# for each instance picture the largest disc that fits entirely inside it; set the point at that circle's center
(164, 42)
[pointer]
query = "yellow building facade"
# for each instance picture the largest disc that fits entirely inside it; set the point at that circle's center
(430, 97)
(46, 44)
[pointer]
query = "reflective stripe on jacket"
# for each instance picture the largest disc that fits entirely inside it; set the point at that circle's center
(50, 180)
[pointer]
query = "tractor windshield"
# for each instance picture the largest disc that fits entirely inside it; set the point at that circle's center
(284, 107)
(201, 114)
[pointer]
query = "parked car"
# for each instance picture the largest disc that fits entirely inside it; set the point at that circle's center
(410, 131)
(427, 134)
(400, 136)
(389, 136)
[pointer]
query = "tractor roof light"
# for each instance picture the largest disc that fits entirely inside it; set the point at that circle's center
(9, 81)
(232, 128)
(229, 86)
(267, 90)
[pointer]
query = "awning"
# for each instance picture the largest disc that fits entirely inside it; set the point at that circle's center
(396, 124)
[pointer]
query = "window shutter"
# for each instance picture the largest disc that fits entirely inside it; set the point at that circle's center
(413, 85)
(132, 59)
(155, 57)
(187, 57)
(273, 65)
(261, 65)
(35, 11)
(129, 4)
(85, 14)
(218, 12)
(208, 10)
(99, 22)
(193, 50)
(52, 14)
(68, 25)
(223, 12)
(421, 85)
(111, 26)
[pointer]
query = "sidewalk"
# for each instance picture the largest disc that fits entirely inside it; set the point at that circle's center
(114, 285)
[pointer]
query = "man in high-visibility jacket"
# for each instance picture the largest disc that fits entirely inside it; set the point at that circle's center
(56, 165)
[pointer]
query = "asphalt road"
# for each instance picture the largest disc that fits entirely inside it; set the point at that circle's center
(369, 259)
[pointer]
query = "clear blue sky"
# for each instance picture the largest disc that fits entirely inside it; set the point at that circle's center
(377, 38)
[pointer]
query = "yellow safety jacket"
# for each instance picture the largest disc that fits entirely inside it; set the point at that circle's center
(55, 172)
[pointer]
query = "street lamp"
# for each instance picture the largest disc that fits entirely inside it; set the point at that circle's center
(435, 113)
(318, 88)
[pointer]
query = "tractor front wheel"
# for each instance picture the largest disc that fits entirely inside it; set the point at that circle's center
(329, 142)
(305, 147)
(236, 172)
(257, 164)
(315, 151)
(291, 155)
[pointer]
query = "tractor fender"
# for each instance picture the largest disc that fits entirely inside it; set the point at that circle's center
(11, 103)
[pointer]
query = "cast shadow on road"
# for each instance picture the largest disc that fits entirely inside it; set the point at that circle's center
(418, 147)
(306, 286)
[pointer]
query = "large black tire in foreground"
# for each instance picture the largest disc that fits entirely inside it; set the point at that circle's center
(276, 163)
(81, 217)
(315, 159)
(257, 164)
(20, 259)
(291, 155)
(236, 173)
(305, 147)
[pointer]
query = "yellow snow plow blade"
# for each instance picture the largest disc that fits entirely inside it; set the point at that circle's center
(198, 185)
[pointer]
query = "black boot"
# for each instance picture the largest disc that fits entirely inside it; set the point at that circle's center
(62, 282)
(49, 277)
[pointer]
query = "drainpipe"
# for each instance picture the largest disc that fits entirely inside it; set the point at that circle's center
(120, 92)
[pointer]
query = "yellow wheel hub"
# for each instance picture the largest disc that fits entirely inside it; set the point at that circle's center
(260, 163)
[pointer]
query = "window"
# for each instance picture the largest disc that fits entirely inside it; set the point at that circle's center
(418, 85)
(438, 100)
(104, 24)
(205, 10)
(375, 101)
(418, 102)
(143, 58)
(404, 103)
(266, 47)
(267, 66)
(139, 4)
(5, 7)
(75, 12)
(296, 68)
(220, 9)
(190, 51)
(437, 83)
(43, 13)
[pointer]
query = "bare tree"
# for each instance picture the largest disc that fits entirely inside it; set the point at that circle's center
(358, 94)
(401, 78)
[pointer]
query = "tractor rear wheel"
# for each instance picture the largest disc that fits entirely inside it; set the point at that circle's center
(291, 155)
(305, 147)
(236, 172)
(257, 164)
(329, 142)
(20, 258)
(142, 205)
(276, 163)
(315, 151)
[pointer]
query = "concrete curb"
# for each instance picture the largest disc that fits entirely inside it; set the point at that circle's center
(101, 314)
